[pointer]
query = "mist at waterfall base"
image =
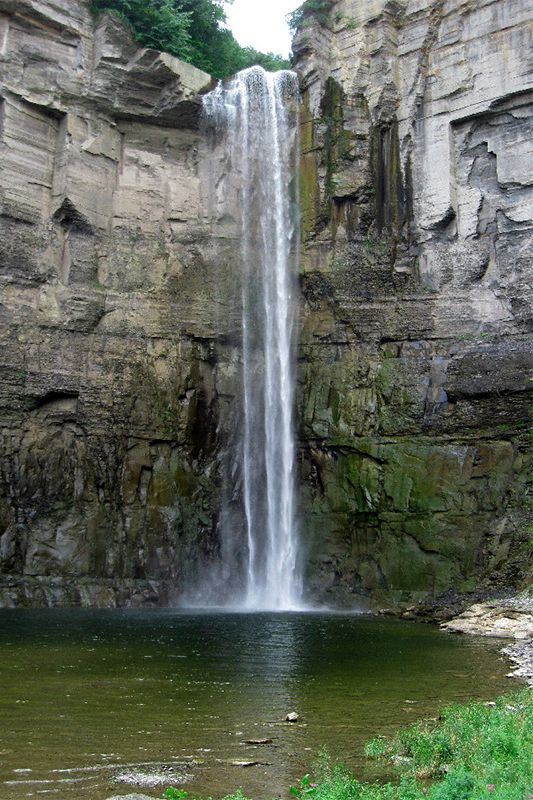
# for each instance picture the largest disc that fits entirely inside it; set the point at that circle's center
(251, 125)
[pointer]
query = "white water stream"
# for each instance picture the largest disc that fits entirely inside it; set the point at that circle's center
(259, 130)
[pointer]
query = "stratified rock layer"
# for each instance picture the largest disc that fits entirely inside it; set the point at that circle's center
(416, 345)
(108, 310)
(493, 619)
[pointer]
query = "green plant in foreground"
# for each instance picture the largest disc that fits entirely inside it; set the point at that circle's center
(478, 751)
(305, 789)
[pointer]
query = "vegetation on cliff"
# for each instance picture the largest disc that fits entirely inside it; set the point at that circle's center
(318, 10)
(192, 30)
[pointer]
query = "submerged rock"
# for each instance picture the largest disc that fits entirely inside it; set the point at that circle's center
(257, 741)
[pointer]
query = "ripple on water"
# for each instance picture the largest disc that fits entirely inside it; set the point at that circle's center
(207, 708)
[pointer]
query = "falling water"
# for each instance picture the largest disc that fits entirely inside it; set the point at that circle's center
(254, 113)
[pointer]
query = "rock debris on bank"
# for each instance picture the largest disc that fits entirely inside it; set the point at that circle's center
(509, 619)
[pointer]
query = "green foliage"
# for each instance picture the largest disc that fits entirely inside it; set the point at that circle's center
(318, 10)
(375, 245)
(238, 795)
(180, 794)
(459, 785)
(170, 424)
(477, 750)
(191, 30)
(335, 783)
(270, 61)
(305, 787)
(161, 24)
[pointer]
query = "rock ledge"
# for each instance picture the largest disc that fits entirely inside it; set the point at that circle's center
(493, 619)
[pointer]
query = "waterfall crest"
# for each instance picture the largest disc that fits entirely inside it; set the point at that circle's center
(254, 122)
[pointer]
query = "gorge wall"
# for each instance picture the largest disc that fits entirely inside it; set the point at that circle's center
(120, 355)
(417, 275)
(108, 312)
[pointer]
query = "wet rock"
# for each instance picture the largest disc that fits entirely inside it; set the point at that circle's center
(117, 365)
(150, 776)
(292, 717)
(521, 654)
(257, 741)
(107, 396)
(416, 339)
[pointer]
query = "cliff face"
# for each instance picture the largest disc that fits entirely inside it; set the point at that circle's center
(417, 192)
(120, 346)
(108, 310)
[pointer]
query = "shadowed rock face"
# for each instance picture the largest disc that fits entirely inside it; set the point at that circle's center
(120, 355)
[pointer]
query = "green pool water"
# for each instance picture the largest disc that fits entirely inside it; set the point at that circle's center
(91, 700)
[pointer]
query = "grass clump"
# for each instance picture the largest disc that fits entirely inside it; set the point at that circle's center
(477, 751)
(318, 10)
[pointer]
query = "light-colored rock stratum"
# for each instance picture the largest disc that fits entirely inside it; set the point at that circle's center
(493, 619)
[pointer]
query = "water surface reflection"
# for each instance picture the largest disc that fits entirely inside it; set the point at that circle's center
(88, 697)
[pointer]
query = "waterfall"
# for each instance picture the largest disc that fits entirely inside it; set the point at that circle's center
(257, 128)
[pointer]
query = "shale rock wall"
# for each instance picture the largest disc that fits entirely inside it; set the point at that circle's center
(417, 205)
(107, 395)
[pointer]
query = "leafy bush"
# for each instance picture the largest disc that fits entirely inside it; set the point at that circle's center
(155, 23)
(316, 9)
(459, 785)
(476, 750)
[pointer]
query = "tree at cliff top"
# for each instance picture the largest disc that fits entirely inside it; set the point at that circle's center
(191, 30)
(318, 10)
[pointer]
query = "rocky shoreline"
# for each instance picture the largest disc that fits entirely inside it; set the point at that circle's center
(510, 618)
(39, 591)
